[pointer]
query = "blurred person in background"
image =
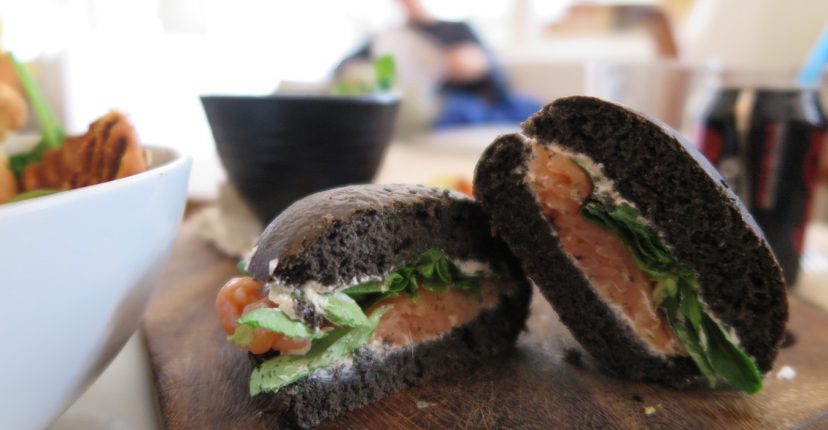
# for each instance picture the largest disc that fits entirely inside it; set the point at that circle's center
(446, 75)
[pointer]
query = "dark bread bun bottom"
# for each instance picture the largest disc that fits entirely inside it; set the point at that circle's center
(373, 374)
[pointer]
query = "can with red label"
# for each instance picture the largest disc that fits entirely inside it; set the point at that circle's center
(719, 139)
(786, 131)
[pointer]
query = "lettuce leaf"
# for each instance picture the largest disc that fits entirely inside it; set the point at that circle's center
(677, 296)
(272, 319)
(281, 371)
(342, 310)
(431, 270)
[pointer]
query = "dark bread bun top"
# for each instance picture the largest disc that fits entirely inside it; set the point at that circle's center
(688, 203)
(364, 231)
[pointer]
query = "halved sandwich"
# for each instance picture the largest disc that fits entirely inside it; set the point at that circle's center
(360, 291)
(646, 255)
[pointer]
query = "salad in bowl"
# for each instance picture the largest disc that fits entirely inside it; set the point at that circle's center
(87, 224)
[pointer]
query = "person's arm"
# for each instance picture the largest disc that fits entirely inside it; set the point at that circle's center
(465, 62)
(477, 64)
(464, 57)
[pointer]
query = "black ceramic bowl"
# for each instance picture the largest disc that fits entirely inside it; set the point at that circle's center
(279, 148)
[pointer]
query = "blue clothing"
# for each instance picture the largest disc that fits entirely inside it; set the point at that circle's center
(460, 108)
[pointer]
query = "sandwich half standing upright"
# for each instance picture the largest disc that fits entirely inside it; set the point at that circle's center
(646, 255)
(360, 291)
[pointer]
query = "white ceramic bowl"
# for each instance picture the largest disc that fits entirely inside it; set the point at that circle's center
(76, 271)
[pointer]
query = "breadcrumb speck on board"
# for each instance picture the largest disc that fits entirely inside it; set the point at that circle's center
(421, 404)
(786, 373)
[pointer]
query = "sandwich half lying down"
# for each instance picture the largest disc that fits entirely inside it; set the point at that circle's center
(357, 292)
(646, 255)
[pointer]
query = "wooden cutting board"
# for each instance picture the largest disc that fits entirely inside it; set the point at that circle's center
(545, 383)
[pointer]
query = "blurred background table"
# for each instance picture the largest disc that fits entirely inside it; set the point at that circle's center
(124, 396)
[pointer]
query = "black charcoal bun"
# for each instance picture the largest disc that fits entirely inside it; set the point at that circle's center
(703, 222)
(375, 373)
(335, 236)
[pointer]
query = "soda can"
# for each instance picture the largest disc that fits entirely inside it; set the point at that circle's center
(720, 139)
(786, 132)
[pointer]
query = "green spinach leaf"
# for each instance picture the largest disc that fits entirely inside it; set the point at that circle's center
(370, 287)
(273, 319)
(278, 372)
(730, 362)
(677, 296)
(431, 270)
(342, 310)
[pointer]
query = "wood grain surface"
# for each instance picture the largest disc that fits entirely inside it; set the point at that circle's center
(546, 382)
